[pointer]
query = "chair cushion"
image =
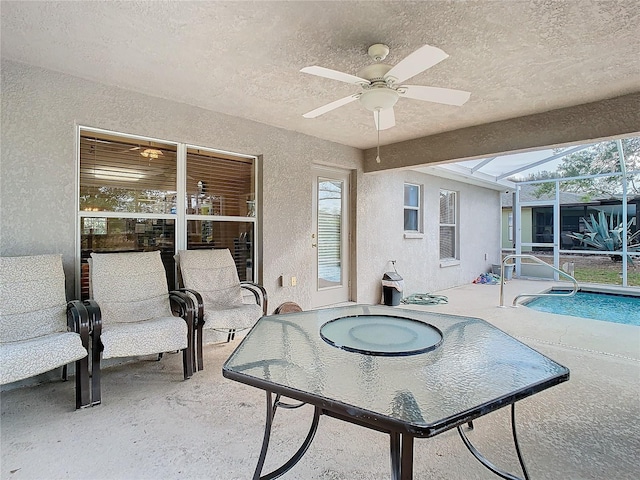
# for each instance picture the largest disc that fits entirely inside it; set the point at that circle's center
(242, 316)
(27, 358)
(213, 274)
(129, 287)
(32, 297)
(163, 334)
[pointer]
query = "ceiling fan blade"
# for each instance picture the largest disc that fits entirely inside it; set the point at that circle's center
(335, 75)
(331, 106)
(387, 118)
(447, 96)
(423, 58)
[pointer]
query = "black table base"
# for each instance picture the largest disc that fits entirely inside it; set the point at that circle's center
(401, 444)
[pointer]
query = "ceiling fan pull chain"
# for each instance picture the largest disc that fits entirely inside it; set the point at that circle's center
(378, 129)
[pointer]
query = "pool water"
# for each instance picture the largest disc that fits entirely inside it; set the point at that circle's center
(599, 306)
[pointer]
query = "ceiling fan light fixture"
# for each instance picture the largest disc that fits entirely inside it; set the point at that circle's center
(151, 153)
(379, 98)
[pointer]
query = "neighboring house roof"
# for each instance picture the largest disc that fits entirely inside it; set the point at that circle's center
(528, 194)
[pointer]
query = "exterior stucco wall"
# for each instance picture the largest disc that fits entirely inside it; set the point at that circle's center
(40, 111)
(380, 215)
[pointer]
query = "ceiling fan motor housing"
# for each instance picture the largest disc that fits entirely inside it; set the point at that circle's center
(379, 98)
(375, 72)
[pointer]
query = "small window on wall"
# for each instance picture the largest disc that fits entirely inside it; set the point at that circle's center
(448, 225)
(412, 210)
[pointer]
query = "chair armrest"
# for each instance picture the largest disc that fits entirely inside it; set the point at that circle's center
(95, 326)
(78, 321)
(187, 310)
(184, 303)
(199, 311)
(95, 317)
(259, 292)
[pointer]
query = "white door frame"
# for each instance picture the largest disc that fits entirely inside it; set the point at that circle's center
(322, 294)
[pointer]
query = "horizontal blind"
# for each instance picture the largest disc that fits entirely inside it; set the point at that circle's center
(329, 239)
(224, 185)
(116, 177)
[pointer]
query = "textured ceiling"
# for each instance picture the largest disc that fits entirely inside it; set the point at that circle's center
(243, 58)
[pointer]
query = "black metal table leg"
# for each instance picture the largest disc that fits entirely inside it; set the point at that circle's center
(501, 473)
(395, 455)
(407, 457)
(401, 448)
(267, 434)
(289, 464)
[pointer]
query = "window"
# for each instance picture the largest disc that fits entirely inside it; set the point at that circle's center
(448, 225)
(510, 220)
(130, 200)
(412, 210)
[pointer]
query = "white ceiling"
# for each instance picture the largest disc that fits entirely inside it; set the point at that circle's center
(243, 58)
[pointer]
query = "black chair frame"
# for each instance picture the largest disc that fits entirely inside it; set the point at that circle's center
(260, 294)
(78, 322)
(181, 304)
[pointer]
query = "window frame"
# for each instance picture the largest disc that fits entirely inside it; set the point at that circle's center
(419, 209)
(180, 216)
(455, 259)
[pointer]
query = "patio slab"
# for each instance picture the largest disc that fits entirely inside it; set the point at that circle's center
(154, 425)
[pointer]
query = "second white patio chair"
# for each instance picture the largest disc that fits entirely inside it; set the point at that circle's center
(211, 276)
(132, 311)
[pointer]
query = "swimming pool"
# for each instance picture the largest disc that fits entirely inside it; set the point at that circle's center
(609, 307)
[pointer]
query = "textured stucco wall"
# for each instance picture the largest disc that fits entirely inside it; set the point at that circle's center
(41, 108)
(379, 214)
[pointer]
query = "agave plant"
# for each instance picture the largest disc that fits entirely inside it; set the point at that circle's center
(607, 236)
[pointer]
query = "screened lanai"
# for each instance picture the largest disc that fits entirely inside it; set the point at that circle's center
(575, 207)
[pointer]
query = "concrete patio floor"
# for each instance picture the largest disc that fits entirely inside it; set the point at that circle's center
(152, 424)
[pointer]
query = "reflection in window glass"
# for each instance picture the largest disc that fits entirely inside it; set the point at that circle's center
(219, 184)
(411, 207)
(134, 182)
(94, 226)
(118, 174)
(411, 195)
(238, 237)
(126, 235)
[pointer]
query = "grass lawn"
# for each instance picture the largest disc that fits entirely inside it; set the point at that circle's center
(598, 275)
(598, 269)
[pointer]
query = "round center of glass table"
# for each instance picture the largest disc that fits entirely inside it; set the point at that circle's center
(381, 335)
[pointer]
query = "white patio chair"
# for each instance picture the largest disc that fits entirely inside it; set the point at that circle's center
(39, 329)
(133, 311)
(211, 276)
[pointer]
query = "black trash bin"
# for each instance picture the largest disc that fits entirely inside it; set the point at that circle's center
(392, 286)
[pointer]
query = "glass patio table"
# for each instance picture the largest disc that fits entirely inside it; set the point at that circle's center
(411, 374)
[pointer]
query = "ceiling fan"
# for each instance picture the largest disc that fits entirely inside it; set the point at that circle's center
(382, 85)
